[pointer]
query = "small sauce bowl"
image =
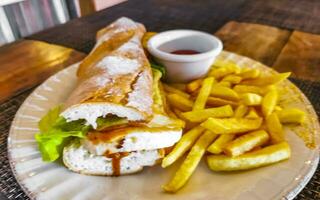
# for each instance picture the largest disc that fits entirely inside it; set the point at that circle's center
(182, 68)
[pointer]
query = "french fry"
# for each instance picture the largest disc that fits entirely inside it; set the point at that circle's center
(269, 102)
(184, 144)
(224, 83)
(267, 80)
(275, 129)
(261, 90)
(241, 111)
(194, 85)
(146, 37)
(203, 95)
(277, 108)
(265, 156)
(291, 115)
(247, 89)
(173, 90)
(179, 86)
(231, 125)
(224, 93)
(250, 74)
(223, 68)
(252, 114)
(214, 102)
(217, 146)
(190, 163)
(188, 125)
(251, 99)
(234, 79)
(178, 101)
(202, 115)
(246, 143)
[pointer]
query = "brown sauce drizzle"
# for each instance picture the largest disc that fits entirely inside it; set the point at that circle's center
(116, 161)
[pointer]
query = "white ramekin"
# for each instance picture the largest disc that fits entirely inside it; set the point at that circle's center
(184, 68)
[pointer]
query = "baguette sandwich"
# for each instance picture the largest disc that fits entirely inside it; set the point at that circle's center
(116, 120)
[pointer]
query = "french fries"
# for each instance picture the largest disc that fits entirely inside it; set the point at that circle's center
(275, 128)
(146, 37)
(234, 115)
(267, 80)
(291, 115)
(173, 90)
(182, 146)
(194, 85)
(217, 146)
(249, 74)
(190, 163)
(224, 93)
(251, 99)
(203, 95)
(234, 79)
(269, 102)
(202, 115)
(265, 156)
(180, 102)
(231, 125)
(214, 102)
(252, 114)
(241, 111)
(246, 143)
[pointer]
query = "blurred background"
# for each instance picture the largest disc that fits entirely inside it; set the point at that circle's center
(20, 18)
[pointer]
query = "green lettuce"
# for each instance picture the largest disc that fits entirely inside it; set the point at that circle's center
(55, 132)
(158, 66)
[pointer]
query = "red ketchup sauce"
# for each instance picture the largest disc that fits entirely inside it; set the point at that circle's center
(185, 52)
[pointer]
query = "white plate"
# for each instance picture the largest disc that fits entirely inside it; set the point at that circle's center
(42, 180)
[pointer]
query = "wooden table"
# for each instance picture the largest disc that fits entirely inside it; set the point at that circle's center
(280, 33)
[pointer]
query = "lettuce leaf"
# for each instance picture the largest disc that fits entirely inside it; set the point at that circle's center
(55, 132)
(158, 66)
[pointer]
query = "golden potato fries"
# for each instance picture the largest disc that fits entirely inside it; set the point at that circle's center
(146, 37)
(291, 115)
(194, 85)
(217, 146)
(214, 102)
(231, 125)
(224, 84)
(202, 115)
(234, 114)
(240, 89)
(224, 93)
(246, 143)
(269, 102)
(179, 86)
(182, 146)
(275, 129)
(234, 79)
(188, 125)
(251, 99)
(223, 68)
(203, 95)
(252, 114)
(190, 163)
(249, 74)
(173, 90)
(241, 111)
(265, 156)
(178, 101)
(267, 80)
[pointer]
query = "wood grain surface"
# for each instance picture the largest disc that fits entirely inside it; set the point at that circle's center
(27, 63)
(301, 56)
(262, 43)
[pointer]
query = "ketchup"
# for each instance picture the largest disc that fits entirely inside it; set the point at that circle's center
(185, 52)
